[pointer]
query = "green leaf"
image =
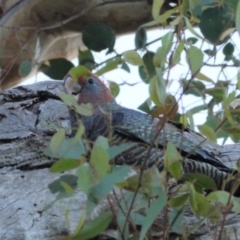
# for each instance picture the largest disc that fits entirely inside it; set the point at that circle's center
(99, 159)
(57, 187)
(229, 99)
(156, 7)
(94, 228)
(84, 109)
(102, 142)
(232, 4)
(161, 19)
(98, 36)
(56, 68)
(57, 140)
(67, 188)
(225, 199)
(193, 87)
(140, 38)
(176, 21)
(138, 219)
(79, 225)
(200, 181)
(125, 67)
(109, 66)
(86, 59)
(171, 155)
(79, 133)
(210, 52)
(191, 29)
(68, 99)
(177, 53)
(148, 64)
(157, 88)
(176, 220)
(132, 57)
(178, 201)
(150, 179)
(192, 40)
(68, 149)
(175, 169)
(146, 106)
(195, 59)
(114, 88)
(65, 165)
(203, 77)
(196, 109)
(207, 132)
(143, 74)
(167, 41)
(75, 72)
(159, 59)
(160, 56)
(183, 120)
(106, 185)
(201, 206)
(85, 179)
(25, 68)
(214, 121)
(114, 151)
(228, 51)
(218, 93)
(214, 21)
(238, 80)
(153, 212)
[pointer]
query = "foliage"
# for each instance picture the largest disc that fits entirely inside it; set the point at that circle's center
(149, 189)
(217, 24)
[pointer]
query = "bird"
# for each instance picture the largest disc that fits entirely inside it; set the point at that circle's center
(124, 125)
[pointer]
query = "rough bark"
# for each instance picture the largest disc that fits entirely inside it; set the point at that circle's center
(28, 117)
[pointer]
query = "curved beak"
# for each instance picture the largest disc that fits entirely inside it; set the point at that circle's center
(76, 88)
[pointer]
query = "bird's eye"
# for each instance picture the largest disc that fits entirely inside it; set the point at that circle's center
(90, 80)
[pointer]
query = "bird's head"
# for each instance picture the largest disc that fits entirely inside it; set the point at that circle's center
(86, 87)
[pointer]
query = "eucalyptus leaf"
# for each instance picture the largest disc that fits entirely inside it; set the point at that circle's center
(85, 178)
(65, 165)
(99, 159)
(57, 187)
(86, 59)
(140, 38)
(132, 57)
(153, 212)
(25, 68)
(57, 140)
(214, 21)
(109, 66)
(207, 132)
(98, 36)
(195, 59)
(156, 7)
(94, 228)
(114, 88)
(56, 68)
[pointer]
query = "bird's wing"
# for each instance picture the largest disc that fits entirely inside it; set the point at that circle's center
(128, 127)
(141, 127)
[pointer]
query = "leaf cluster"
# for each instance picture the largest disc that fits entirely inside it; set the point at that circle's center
(149, 190)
